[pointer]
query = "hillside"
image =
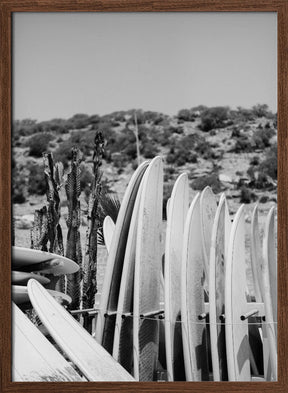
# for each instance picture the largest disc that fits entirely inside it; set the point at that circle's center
(231, 150)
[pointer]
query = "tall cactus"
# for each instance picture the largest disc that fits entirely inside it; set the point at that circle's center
(90, 262)
(39, 232)
(73, 247)
(46, 234)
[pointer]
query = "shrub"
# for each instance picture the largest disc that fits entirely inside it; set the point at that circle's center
(208, 180)
(214, 118)
(246, 195)
(38, 144)
(80, 120)
(269, 164)
(36, 180)
(186, 115)
(86, 177)
(19, 186)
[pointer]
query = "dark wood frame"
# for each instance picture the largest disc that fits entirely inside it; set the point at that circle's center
(7, 7)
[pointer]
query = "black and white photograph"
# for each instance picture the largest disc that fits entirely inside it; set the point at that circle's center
(144, 196)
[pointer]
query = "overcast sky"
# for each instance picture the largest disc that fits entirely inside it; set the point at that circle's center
(97, 63)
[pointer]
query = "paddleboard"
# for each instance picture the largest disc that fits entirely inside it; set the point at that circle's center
(91, 358)
(34, 359)
(269, 271)
(106, 317)
(123, 336)
(218, 257)
(236, 330)
(176, 217)
(108, 230)
(20, 295)
(148, 267)
(21, 278)
(192, 298)
(36, 260)
(208, 206)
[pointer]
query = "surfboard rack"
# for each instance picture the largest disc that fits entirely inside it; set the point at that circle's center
(152, 314)
(88, 311)
(249, 314)
(203, 316)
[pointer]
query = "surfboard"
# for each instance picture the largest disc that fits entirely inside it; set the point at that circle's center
(208, 206)
(34, 359)
(256, 255)
(123, 336)
(82, 349)
(176, 217)
(257, 335)
(106, 317)
(108, 230)
(20, 295)
(236, 330)
(148, 266)
(21, 278)
(269, 275)
(192, 298)
(24, 259)
(218, 257)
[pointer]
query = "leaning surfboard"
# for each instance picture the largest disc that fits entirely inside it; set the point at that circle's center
(236, 329)
(91, 358)
(192, 298)
(208, 206)
(147, 274)
(108, 230)
(218, 256)
(123, 337)
(269, 275)
(106, 317)
(34, 359)
(176, 216)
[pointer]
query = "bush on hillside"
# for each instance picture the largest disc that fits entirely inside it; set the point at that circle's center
(38, 144)
(214, 118)
(247, 196)
(208, 180)
(36, 179)
(269, 164)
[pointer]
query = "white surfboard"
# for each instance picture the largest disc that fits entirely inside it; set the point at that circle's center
(176, 217)
(218, 257)
(123, 336)
(27, 258)
(21, 278)
(91, 358)
(208, 206)
(192, 299)
(236, 330)
(256, 255)
(148, 266)
(106, 317)
(108, 230)
(34, 359)
(269, 276)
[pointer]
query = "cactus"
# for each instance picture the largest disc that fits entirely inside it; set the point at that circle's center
(39, 232)
(90, 262)
(73, 246)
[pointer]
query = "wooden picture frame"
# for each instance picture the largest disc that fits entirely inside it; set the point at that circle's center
(7, 7)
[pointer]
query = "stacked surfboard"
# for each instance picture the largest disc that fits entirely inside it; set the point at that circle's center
(41, 266)
(213, 328)
(174, 304)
